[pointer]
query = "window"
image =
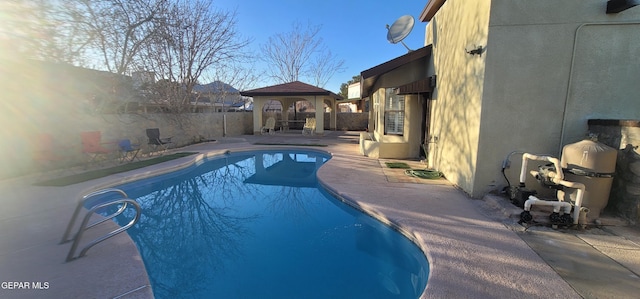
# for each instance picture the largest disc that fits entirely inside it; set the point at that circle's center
(393, 113)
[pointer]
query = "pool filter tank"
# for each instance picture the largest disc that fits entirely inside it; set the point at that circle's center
(592, 164)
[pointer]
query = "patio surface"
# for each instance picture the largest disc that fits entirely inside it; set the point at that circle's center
(475, 247)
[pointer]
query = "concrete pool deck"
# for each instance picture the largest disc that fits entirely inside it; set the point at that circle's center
(475, 247)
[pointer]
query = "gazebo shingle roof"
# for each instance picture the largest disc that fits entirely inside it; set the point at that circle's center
(295, 88)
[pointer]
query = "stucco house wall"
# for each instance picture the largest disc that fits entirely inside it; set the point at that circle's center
(391, 146)
(376, 143)
(546, 68)
(457, 98)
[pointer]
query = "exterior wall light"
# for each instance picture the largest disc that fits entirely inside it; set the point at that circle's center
(477, 51)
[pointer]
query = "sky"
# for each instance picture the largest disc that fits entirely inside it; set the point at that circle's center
(354, 30)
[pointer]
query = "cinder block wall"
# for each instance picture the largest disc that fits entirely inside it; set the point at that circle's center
(18, 146)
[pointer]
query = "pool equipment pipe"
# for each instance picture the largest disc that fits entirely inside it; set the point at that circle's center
(557, 205)
(517, 194)
(526, 157)
(561, 211)
(551, 177)
(582, 218)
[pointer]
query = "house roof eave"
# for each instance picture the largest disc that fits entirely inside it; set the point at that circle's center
(370, 76)
(431, 9)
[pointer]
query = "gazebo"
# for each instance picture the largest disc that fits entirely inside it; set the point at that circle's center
(288, 94)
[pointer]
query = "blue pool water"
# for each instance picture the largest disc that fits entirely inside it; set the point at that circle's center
(258, 225)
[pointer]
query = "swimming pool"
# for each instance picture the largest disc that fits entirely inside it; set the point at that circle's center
(257, 225)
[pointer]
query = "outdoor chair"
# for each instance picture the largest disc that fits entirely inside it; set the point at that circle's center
(156, 142)
(92, 146)
(128, 151)
(309, 126)
(269, 126)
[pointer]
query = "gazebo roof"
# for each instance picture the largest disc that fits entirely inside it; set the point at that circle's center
(295, 88)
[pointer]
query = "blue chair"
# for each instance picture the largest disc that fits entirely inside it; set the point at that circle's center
(128, 151)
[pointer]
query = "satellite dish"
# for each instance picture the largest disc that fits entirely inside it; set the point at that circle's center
(400, 29)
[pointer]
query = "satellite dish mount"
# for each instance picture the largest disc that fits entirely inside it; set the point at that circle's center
(400, 29)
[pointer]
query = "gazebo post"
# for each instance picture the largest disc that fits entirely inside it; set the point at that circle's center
(258, 106)
(319, 104)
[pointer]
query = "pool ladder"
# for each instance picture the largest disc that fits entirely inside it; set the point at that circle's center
(124, 203)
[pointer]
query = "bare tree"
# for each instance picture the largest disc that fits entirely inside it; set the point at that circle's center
(238, 75)
(119, 29)
(300, 53)
(78, 31)
(42, 30)
(178, 40)
(196, 38)
(288, 53)
(109, 34)
(323, 67)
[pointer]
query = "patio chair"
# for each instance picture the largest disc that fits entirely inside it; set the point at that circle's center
(92, 146)
(155, 141)
(128, 151)
(309, 126)
(269, 126)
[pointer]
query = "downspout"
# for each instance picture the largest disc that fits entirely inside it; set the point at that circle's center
(570, 81)
(428, 144)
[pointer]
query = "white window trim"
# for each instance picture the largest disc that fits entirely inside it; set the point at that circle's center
(398, 113)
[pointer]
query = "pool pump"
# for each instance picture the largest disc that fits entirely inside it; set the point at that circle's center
(550, 176)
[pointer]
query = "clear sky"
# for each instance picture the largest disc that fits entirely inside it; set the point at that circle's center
(354, 30)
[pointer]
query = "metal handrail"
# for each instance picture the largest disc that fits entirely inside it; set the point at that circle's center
(82, 202)
(84, 227)
(124, 203)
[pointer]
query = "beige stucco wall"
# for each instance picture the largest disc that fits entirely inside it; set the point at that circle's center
(457, 99)
(545, 71)
(406, 146)
(396, 146)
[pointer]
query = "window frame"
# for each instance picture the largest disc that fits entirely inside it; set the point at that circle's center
(394, 108)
